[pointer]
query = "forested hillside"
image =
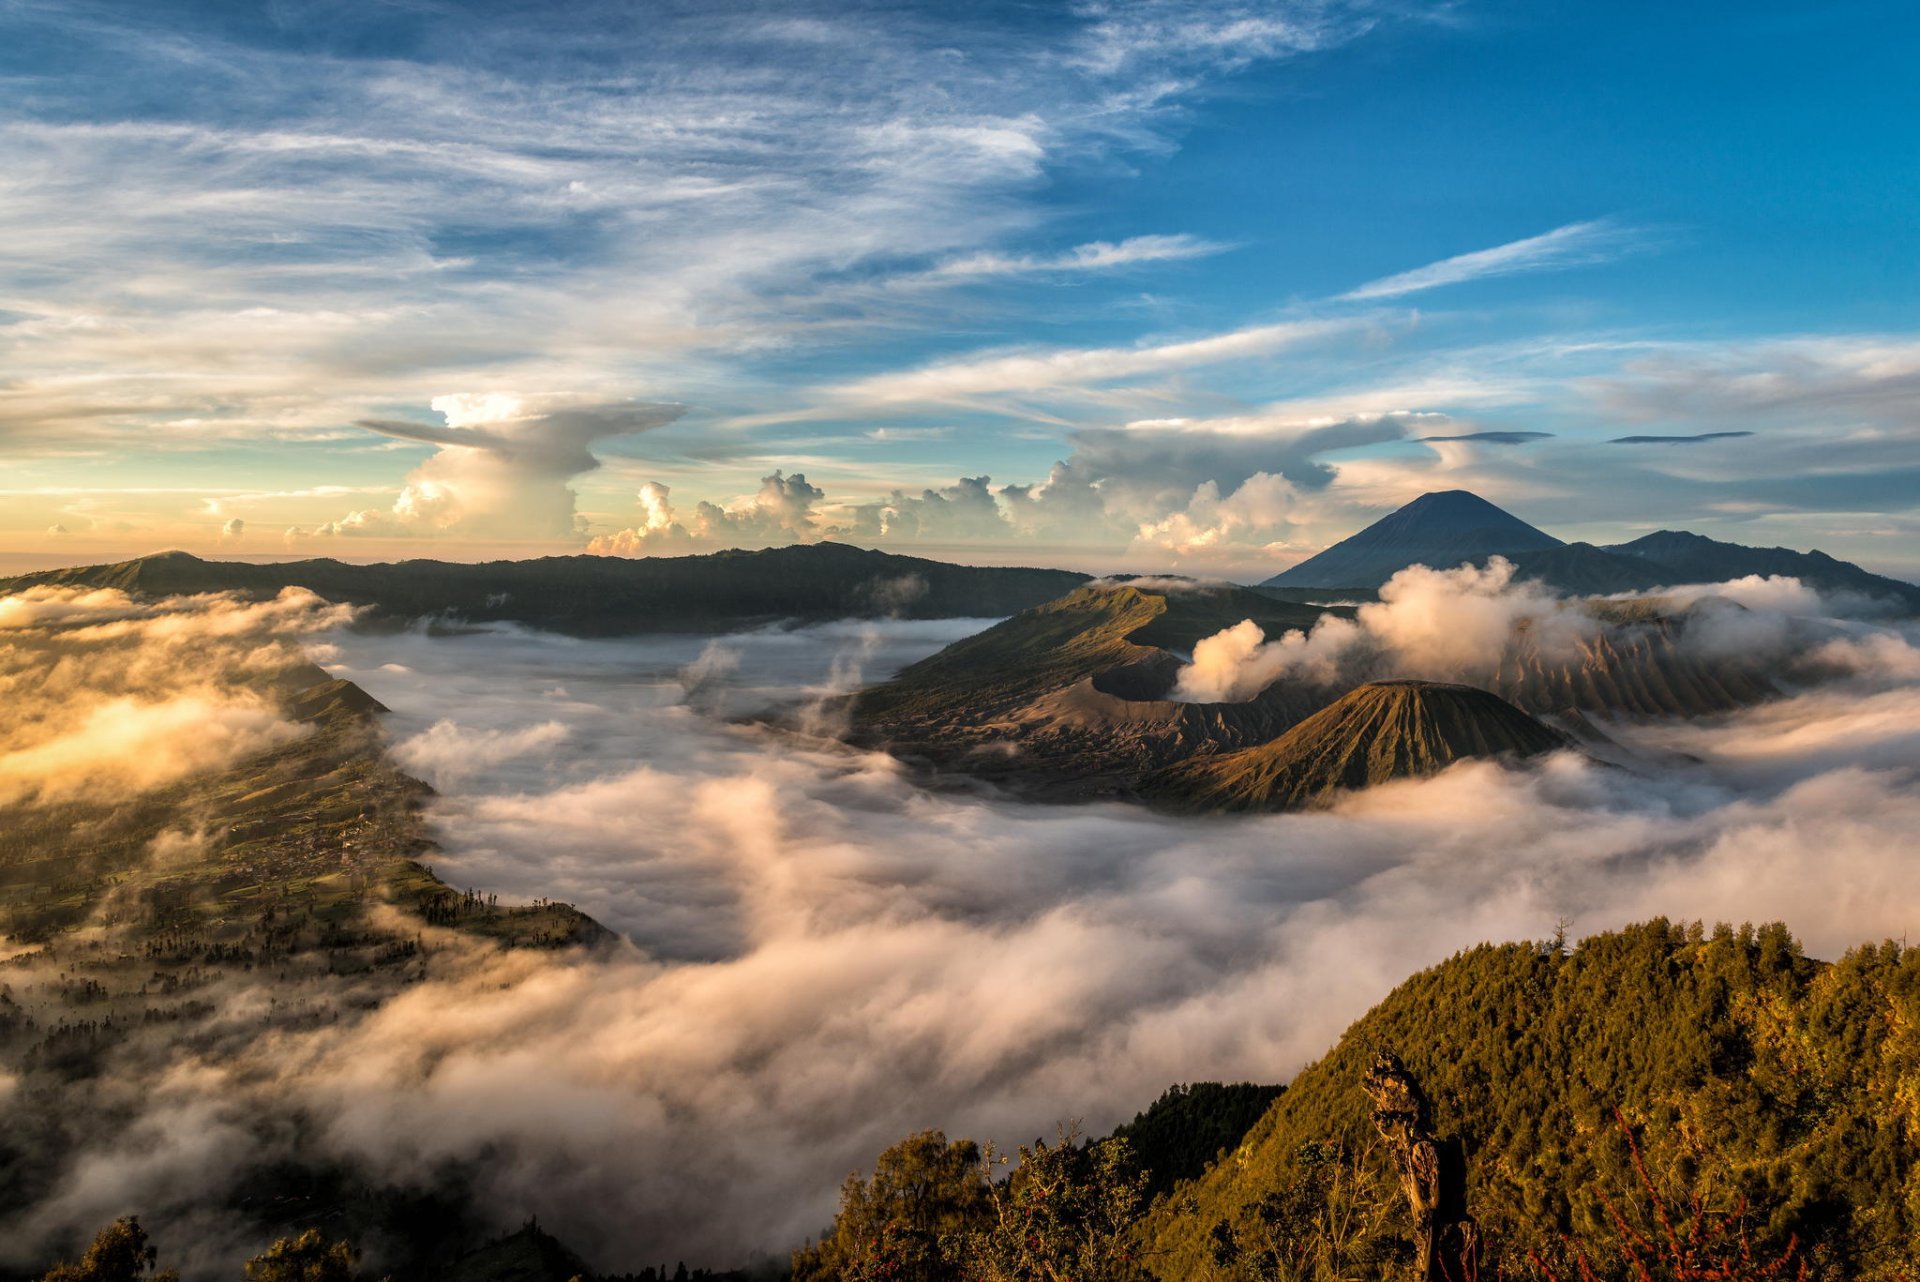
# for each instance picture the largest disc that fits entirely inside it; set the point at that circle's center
(1658, 1103)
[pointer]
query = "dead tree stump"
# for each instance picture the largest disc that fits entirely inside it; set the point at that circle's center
(1433, 1173)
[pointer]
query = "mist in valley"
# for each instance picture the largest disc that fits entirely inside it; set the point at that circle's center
(819, 954)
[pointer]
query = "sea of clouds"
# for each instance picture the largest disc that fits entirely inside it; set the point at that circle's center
(822, 956)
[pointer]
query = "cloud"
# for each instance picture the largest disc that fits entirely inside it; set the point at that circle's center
(311, 239)
(1696, 439)
(1258, 512)
(502, 468)
(1450, 624)
(1224, 492)
(1494, 438)
(781, 511)
(105, 696)
(967, 509)
(826, 957)
(1576, 244)
(1067, 370)
(1096, 255)
(444, 754)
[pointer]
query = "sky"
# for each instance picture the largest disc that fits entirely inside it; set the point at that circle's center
(1151, 286)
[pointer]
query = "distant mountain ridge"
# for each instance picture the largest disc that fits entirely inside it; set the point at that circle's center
(1451, 527)
(611, 596)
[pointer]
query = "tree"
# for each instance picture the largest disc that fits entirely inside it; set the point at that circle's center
(1066, 1213)
(306, 1258)
(120, 1253)
(908, 1222)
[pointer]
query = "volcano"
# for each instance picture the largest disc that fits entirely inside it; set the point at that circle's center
(1378, 732)
(1440, 529)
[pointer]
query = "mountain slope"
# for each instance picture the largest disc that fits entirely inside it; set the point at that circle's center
(1447, 528)
(610, 596)
(1640, 665)
(1381, 731)
(1581, 569)
(1068, 699)
(1439, 529)
(1748, 1071)
(1679, 557)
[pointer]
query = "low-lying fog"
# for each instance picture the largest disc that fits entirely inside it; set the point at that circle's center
(825, 957)
(828, 957)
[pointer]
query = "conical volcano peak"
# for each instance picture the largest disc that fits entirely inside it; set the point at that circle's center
(1441, 529)
(1374, 733)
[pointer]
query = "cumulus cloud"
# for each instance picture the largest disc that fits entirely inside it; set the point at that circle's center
(1222, 493)
(967, 509)
(1259, 512)
(502, 467)
(781, 511)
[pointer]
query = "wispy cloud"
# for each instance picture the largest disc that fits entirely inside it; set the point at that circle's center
(1098, 255)
(1022, 373)
(311, 239)
(1570, 246)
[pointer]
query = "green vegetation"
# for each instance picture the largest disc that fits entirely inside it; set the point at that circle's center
(1188, 1128)
(307, 1258)
(296, 870)
(1776, 1089)
(1660, 1104)
(609, 595)
(1381, 731)
(120, 1253)
(908, 1221)
(933, 1212)
(281, 854)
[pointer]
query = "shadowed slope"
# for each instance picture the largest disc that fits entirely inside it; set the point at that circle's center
(1441, 529)
(609, 595)
(1452, 527)
(1381, 731)
(1676, 557)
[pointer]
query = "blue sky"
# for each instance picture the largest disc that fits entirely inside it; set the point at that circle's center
(1193, 286)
